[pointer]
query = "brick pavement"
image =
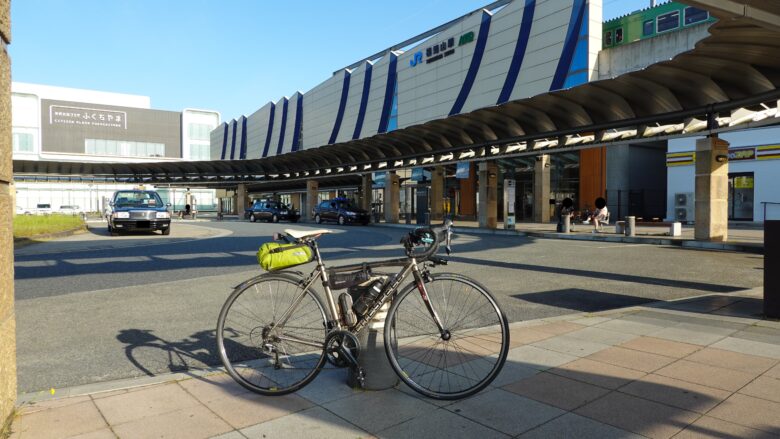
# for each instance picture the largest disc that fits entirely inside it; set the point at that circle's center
(700, 367)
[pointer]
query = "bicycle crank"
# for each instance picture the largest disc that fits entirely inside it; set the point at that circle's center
(342, 348)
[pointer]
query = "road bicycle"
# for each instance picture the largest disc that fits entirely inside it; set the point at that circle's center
(445, 335)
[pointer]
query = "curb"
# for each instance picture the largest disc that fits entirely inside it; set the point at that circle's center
(672, 242)
(28, 240)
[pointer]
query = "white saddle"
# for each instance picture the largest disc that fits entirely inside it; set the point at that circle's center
(300, 234)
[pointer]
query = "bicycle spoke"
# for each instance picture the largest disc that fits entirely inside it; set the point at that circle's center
(460, 362)
(255, 350)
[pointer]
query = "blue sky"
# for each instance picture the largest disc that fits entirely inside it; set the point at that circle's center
(232, 56)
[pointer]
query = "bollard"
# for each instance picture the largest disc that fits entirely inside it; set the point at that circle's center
(630, 226)
(373, 359)
(771, 267)
(566, 224)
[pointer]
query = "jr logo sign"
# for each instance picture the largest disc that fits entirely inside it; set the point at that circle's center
(416, 59)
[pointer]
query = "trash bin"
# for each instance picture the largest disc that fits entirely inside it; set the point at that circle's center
(630, 226)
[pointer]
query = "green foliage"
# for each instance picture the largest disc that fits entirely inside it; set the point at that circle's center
(26, 226)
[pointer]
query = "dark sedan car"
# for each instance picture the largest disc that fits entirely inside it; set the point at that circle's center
(342, 211)
(138, 210)
(272, 211)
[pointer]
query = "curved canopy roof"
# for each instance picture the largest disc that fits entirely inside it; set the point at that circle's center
(730, 80)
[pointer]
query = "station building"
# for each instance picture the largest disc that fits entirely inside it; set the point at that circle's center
(74, 125)
(508, 50)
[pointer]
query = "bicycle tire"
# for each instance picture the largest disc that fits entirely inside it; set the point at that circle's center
(419, 354)
(241, 335)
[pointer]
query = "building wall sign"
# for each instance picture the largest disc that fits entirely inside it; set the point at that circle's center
(440, 50)
(72, 127)
(463, 170)
(742, 154)
(87, 117)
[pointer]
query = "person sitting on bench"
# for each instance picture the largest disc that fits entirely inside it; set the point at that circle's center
(600, 215)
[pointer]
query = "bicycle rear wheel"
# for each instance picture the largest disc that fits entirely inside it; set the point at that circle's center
(263, 354)
(455, 365)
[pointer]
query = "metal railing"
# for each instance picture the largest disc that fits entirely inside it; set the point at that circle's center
(767, 203)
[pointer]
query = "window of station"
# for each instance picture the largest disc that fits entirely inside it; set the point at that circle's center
(695, 15)
(618, 35)
(668, 21)
(124, 148)
(608, 38)
(23, 142)
(200, 131)
(648, 28)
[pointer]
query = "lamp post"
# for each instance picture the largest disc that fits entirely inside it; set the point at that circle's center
(90, 197)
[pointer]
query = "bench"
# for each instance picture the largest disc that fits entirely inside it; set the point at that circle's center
(675, 228)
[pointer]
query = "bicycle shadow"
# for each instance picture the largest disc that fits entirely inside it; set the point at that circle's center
(153, 355)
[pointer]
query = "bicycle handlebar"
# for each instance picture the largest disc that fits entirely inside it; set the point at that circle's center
(439, 234)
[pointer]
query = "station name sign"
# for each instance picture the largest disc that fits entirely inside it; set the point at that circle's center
(93, 117)
(440, 50)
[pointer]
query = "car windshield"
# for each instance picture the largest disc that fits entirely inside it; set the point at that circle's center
(346, 205)
(137, 199)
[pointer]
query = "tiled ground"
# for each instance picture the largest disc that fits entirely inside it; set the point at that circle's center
(697, 370)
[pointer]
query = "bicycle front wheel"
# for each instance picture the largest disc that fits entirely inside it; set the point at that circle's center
(260, 351)
(463, 360)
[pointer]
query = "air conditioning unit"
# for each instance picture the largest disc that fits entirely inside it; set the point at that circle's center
(684, 207)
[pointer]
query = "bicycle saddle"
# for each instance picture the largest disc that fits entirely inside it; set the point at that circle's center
(300, 234)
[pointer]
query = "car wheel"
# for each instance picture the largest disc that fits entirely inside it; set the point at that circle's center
(317, 219)
(342, 220)
(166, 231)
(294, 220)
(252, 217)
(365, 223)
(275, 219)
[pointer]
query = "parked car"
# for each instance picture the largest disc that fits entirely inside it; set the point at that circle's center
(138, 210)
(272, 211)
(341, 210)
(70, 209)
(40, 209)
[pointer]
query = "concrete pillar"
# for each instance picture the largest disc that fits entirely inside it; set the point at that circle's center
(468, 195)
(312, 189)
(437, 193)
(295, 199)
(365, 189)
(712, 194)
(242, 200)
(488, 195)
(392, 197)
(542, 189)
(7, 208)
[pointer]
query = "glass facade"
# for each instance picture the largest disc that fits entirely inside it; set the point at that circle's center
(200, 151)
(123, 148)
(23, 142)
(200, 131)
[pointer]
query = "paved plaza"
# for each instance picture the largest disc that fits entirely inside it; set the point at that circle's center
(701, 367)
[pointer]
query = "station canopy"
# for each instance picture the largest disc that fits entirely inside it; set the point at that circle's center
(728, 81)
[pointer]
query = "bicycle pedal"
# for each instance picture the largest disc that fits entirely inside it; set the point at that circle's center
(360, 376)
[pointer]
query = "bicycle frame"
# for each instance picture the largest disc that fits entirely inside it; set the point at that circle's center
(409, 266)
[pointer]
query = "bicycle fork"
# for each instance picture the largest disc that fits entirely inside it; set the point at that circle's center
(419, 280)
